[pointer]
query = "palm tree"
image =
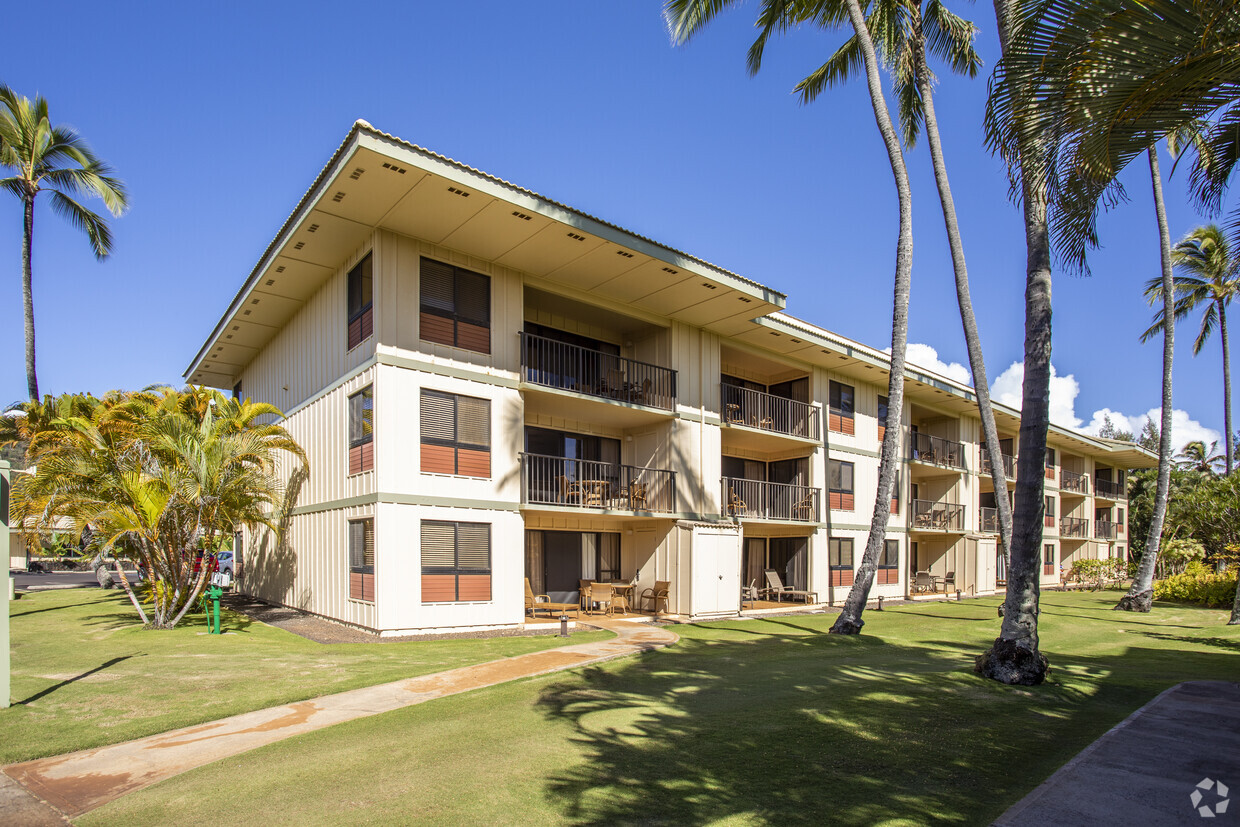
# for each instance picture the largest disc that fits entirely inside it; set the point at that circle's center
(55, 160)
(1140, 596)
(1195, 456)
(1209, 274)
(156, 479)
(906, 33)
(684, 19)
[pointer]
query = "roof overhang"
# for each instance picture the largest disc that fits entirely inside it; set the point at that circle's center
(377, 181)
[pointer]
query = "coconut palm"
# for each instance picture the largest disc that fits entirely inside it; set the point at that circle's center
(1208, 265)
(907, 32)
(687, 17)
(1140, 596)
(1195, 456)
(159, 483)
(55, 160)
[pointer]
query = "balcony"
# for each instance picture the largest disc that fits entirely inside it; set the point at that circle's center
(935, 450)
(552, 364)
(1071, 482)
(766, 412)
(577, 483)
(989, 520)
(1109, 490)
(758, 500)
(1104, 529)
(929, 515)
(1009, 465)
(1077, 527)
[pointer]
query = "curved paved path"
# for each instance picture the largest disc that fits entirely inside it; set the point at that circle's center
(81, 781)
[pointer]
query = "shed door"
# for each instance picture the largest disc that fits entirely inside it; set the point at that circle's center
(716, 573)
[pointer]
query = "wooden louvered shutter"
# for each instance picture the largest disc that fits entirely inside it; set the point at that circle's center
(473, 311)
(438, 429)
(362, 560)
(438, 304)
(473, 561)
(473, 436)
(361, 431)
(438, 562)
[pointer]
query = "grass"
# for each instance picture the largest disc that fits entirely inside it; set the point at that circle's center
(84, 672)
(742, 722)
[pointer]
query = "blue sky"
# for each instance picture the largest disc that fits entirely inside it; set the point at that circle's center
(219, 117)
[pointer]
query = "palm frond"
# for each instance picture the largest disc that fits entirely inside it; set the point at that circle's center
(94, 225)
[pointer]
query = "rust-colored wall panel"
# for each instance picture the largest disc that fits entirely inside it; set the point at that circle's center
(473, 463)
(473, 337)
(437, 329)
(841, 577)
(439, 588)
(438, 459)
(475, 587)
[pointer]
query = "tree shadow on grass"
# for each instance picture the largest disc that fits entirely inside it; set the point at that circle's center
(1227, 644)
(840, 730)
(106, 664)
(47, 609)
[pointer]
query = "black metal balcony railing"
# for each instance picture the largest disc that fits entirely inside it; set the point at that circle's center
(989, 519)
(578, 483)
(756, 409)
(1073, 482)
(929, 515)
(1111, 490)
(770, 500)
(1009, 465)
(1073, 527)
(1104, 529)
(571, 367)
(935, 450)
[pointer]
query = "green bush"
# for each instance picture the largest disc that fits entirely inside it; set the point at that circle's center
(1097, 573)
(1198, 585)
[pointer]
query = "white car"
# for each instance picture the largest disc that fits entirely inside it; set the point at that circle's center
(225, 562)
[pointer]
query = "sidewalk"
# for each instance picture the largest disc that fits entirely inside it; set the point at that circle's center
(1147, 768)
(79, 782)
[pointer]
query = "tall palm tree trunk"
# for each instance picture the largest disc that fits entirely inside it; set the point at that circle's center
(1014, 658)
(1140, 596)
(850, 622)
(1222, 332)
(32, 381)
(977, 364)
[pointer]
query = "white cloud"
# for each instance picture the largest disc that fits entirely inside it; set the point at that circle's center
(1184, 429)
(927, 358)
(1006, 390)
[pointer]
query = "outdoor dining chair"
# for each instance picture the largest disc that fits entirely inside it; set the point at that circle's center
(775, 586)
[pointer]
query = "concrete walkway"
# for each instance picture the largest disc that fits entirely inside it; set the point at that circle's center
(79, 782)
(1148, 767)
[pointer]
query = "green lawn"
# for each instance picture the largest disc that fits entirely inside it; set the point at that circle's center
(745, 722)
(85, 673)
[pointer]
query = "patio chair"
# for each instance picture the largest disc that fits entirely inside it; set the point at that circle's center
(603, 596)
(735, 417)
(923, 582)
(803, 509)
(534, 602)
(569, 491)
(751, 593)
(583, 594)
(655, 596)
(736, 505)
(637, 496)
(775, 585)
(949, 582)
(614, 383)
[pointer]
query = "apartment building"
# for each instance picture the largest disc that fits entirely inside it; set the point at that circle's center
(492, 386)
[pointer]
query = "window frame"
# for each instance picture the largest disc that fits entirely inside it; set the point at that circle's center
(841, 574)
(887, 571)
(362, 572)
(455, 315)
(456, 571)
(359, 321)
(456, 444)
(361, 447)
(838, 420)
(841, 499)
(1048, 558)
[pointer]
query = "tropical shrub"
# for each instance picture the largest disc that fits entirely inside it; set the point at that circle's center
(159, 476)
(1098, 573)
(1176, 555)
(1198, 584)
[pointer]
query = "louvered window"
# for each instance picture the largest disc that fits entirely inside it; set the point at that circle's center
(842, 409)
(888, 563)
(840, 557)
(840, 480)
(1048, 559)
(361, 302)
(362, 431)
(362, 560)
(455, 306)
(1048, 518)
(456, 562)
(456, 434)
